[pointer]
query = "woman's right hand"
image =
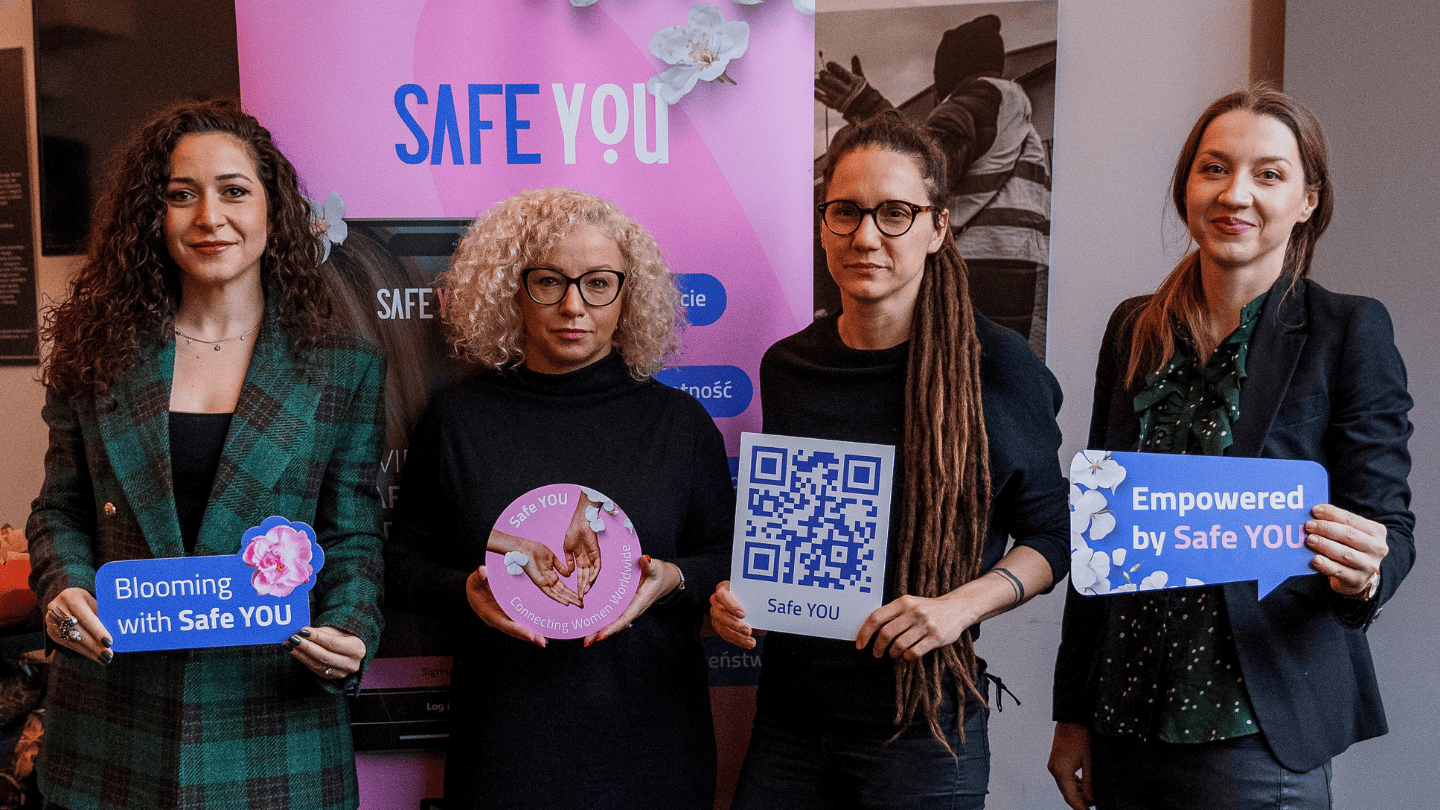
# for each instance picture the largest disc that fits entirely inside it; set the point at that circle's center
(93, 640)
(482, 601)
(726, 617)
(1070, 765)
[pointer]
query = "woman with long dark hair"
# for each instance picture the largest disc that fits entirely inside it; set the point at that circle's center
(897, 718)
(197, 387)
(1210, 697)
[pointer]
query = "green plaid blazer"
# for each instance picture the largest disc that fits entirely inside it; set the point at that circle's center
(241, 727)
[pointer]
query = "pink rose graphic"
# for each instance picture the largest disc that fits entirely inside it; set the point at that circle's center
(281, 559)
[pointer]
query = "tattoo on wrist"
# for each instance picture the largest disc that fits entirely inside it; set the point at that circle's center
(1015, 584)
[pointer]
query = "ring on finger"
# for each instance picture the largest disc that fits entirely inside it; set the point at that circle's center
(75, 635)
(327, 672)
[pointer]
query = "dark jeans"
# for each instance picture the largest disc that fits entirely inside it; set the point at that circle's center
(1235, 774)
(790, 766)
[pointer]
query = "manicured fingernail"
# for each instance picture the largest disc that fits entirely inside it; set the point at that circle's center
(294, 641)
(589, 641)
(304, 632)
(106, 641)
(106, 656)
(287, 645)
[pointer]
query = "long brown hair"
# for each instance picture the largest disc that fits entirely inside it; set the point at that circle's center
(945, 497)
(128, 289)
(1180, 297)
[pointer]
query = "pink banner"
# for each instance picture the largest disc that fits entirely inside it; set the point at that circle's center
(435, 110)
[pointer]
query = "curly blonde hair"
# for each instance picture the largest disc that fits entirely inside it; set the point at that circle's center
(483, 314)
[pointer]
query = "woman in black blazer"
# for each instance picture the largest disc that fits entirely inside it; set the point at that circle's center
(1239, 354)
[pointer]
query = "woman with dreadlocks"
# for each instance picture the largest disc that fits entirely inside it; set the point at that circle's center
(897, 718)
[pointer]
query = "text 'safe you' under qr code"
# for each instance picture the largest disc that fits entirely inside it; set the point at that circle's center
(811, 530)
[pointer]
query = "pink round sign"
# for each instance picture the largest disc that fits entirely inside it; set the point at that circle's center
(562, 561)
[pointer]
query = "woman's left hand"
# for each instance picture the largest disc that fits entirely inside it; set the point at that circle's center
(656, 579)
(914, 625)
(332, 654)
(582, 552)
(1348, 549)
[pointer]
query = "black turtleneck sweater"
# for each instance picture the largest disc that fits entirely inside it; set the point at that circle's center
(568, 725)
(812, 384)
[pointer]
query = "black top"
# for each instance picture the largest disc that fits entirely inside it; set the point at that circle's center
(196, 440)
(813, 385)
(626, 721)
(1324, 382)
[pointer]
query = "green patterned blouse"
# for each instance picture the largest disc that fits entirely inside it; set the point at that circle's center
(1180, 679)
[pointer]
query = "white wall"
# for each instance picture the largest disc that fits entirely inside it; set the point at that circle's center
(1132, 76)
(1365, 70)
(22, 434)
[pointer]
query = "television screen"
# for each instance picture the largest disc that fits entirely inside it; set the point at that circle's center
(102, 67)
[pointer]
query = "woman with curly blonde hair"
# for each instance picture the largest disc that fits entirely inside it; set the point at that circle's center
(570, 309)
(485, 276)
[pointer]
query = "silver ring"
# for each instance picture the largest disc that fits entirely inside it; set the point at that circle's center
(326, 673)
(75, 635)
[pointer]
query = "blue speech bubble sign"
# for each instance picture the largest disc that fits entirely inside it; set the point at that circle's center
(1143, 521)
(723, 390)
(259, 595)
(703, 297)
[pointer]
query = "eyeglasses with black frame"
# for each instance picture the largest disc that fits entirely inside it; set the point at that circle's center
(892, 217)
(547, 286)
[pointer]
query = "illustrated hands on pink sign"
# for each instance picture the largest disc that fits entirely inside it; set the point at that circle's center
(1144, 521)
(562, 561)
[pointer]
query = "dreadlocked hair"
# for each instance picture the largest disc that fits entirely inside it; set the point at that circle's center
(128, 289)
(946, 499)
(945, 495)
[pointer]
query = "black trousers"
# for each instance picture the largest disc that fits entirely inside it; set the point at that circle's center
(1236, 774)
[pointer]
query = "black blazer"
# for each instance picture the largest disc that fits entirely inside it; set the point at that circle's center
(1324, 382)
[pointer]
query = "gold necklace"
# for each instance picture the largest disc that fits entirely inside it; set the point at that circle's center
(216, 343)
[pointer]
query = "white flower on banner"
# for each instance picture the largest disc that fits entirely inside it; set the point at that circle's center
(699, 51)
(1191, 582)
(328, 221)
(1089, 569)
(1088, 512)
(802, 6)
(1128, 587)
(1118, 556)
(1096, 469)
(1155, 581)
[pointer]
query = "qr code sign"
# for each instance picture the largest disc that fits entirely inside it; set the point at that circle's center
(812, 518)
